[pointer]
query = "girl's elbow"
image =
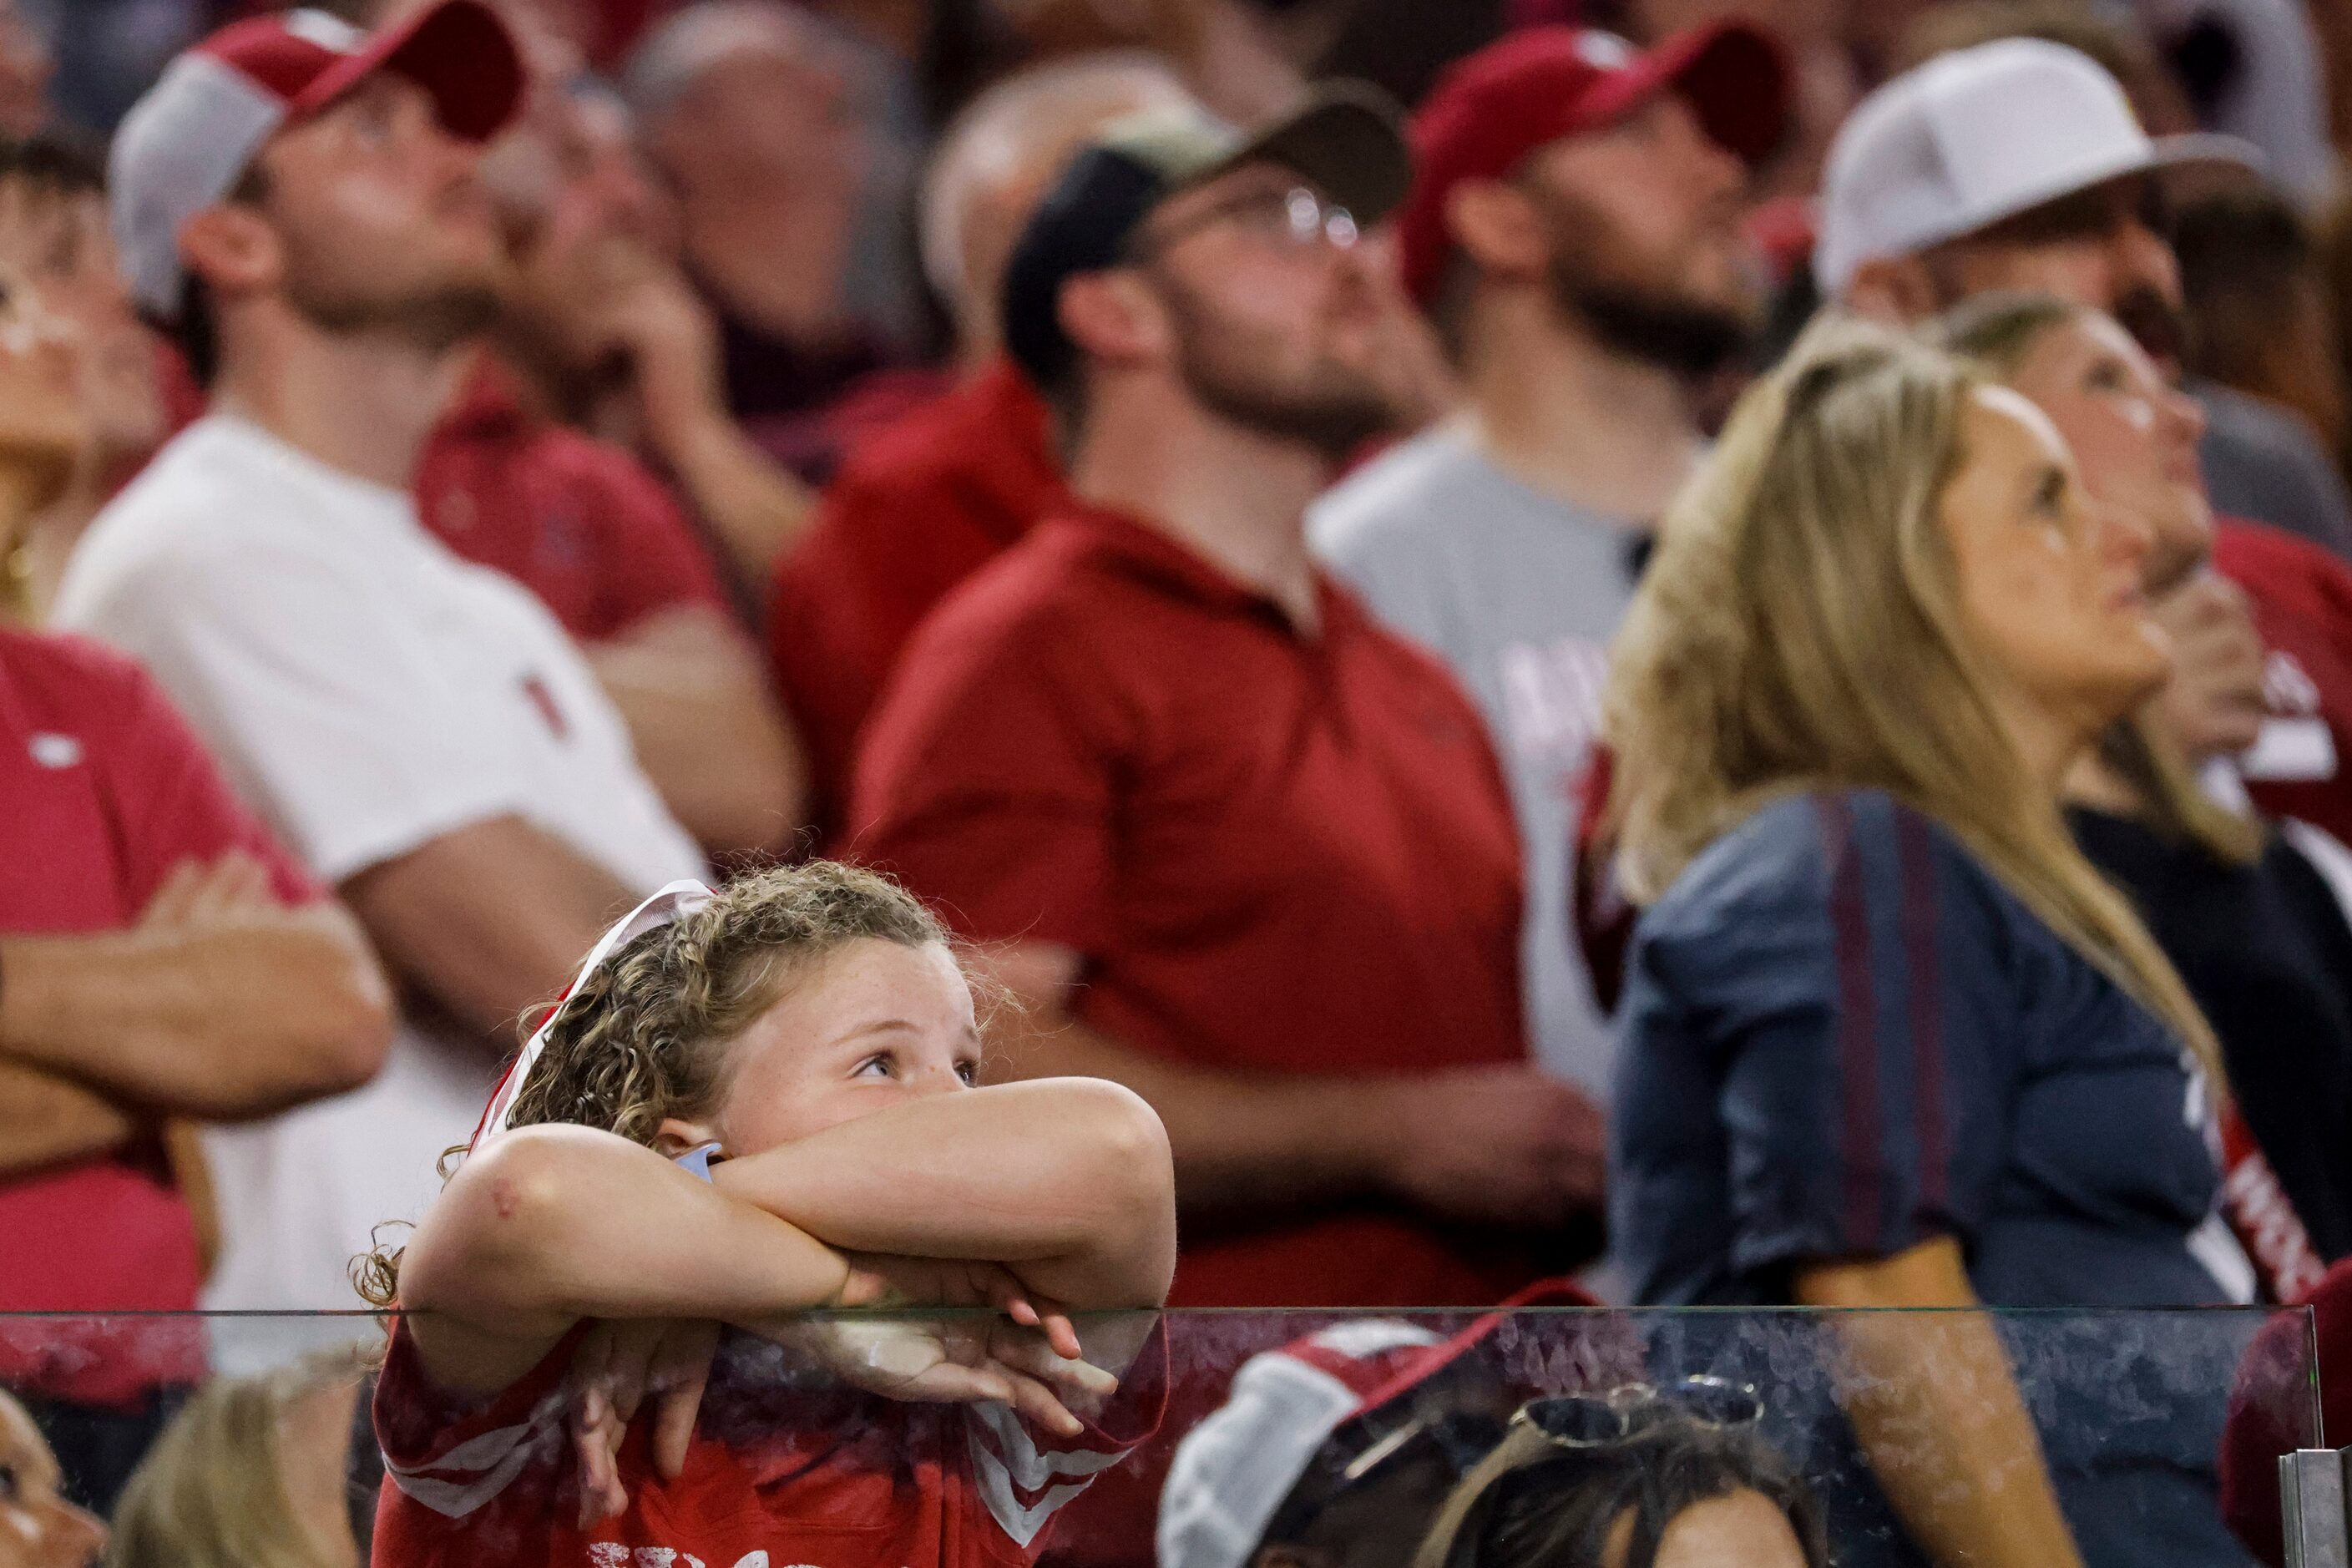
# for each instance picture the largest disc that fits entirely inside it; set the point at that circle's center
(490, 1222)
(1143, 1177)
(1131, 1144)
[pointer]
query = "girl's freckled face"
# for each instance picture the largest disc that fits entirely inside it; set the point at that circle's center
(870, 1026)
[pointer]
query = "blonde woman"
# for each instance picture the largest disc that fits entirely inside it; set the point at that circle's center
(2246, 914)
(1889, 1039)
(253, 1473)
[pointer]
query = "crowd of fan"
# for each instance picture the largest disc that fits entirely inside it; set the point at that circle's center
(458, 478)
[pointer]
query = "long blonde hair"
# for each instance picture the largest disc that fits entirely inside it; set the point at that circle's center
(1799, 629)
(1998, 330)
(212, 1493)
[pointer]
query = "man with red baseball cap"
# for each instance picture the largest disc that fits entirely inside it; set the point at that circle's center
(298, 202)
(1575, 228)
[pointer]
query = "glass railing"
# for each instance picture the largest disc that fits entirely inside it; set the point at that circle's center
(1194, 1439)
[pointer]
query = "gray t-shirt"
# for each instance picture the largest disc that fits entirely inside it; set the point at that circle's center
(1519, 595)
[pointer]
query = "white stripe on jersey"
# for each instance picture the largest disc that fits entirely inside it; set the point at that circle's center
(478, 1469)
(1022, 1465)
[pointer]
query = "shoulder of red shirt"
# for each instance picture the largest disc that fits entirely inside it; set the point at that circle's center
(2280, 567)
(991, 429)
(166, 788)
(72, 675)
(2242, 541)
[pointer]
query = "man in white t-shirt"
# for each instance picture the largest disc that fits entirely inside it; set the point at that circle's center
(299, 203)
(1574, 229)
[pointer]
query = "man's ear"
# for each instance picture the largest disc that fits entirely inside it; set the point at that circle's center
(1115, 318)
(233, 249)
(675, 1137)
(1896, 290)
(1498, 227)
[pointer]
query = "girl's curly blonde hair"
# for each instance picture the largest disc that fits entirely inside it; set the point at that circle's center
(644, 1038)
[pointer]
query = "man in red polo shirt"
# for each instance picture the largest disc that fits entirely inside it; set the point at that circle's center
(923, 503)
(1239, 848)
(160, 956)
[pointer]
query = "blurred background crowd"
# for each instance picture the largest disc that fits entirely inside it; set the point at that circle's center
(1169, 480)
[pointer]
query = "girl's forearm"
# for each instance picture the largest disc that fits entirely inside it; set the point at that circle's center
(1067, 1181)
(552, 1225)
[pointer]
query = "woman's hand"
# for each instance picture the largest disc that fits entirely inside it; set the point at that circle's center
(617, 1365)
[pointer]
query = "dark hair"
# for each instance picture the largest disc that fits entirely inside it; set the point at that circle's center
(194, 328)
(2122, 50)
(52, 165)
(1535, 1504)
(2243, 254)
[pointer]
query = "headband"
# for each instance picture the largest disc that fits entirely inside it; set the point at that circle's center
(673, 902)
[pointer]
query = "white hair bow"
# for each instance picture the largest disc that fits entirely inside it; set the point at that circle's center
(677, 900)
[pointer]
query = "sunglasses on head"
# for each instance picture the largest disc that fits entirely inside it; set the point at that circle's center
(1462, 1438)
(1596, 1421)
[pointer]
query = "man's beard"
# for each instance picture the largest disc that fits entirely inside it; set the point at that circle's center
(1681, 333)
(1332, 418)
(434, 319)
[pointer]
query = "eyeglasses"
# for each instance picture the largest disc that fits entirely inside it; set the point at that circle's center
(1297, 217)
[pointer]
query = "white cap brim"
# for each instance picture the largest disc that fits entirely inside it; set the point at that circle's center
(2155, 156)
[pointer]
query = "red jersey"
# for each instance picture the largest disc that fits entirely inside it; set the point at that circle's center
(2301, 594)
(786, 1468)
(107, 792)
(1274, 852)
(916, 509)
(583, 524)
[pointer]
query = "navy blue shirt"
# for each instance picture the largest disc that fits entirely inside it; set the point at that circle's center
(1844, 1038)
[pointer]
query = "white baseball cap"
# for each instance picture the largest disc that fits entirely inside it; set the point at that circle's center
(1231, 1471)
(184, 145)
(1977, 135)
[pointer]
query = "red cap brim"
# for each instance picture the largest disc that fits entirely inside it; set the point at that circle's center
(1735, 77)
(459, 51)
(1438, 1357)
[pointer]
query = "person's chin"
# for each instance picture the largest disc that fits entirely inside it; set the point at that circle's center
(2143, 659)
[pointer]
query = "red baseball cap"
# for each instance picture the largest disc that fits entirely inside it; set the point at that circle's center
(1491, 110)
(185, 144)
